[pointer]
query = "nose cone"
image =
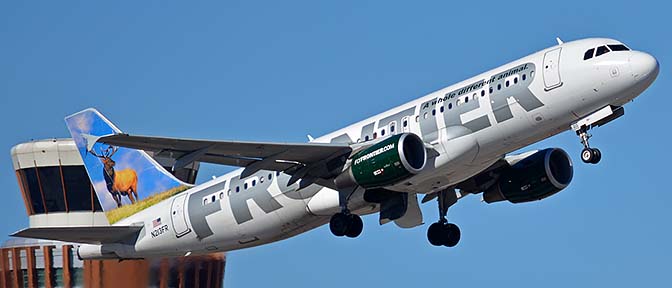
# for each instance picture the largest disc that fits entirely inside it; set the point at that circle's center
(644, 67)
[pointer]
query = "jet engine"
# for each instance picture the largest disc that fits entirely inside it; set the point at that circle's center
(536, 177)
(385, 163)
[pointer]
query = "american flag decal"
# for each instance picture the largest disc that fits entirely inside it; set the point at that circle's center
(156, 222)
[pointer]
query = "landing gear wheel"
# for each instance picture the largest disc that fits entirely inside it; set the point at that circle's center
(339, 224)
(452, 235)
(355, 226)
(587, 155)
(436, 235)
(597, 156)
(346, 224)
(443, 234)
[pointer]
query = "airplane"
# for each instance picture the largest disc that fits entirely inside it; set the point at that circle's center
(443, 146)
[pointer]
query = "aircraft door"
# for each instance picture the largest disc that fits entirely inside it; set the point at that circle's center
(178, 215)
(552, 69)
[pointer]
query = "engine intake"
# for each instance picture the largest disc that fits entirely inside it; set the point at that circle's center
(385, 163)
(536, 177)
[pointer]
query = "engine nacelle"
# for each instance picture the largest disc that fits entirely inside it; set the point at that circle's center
(536, 177)
(385, 163)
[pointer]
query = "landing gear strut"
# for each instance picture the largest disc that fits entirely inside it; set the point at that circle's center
(588, 155)
(443, 233)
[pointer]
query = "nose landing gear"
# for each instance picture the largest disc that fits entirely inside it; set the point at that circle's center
(588, 155)
(597, 118)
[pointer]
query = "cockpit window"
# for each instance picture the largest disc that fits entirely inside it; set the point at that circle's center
(618, 47)
(604, 49)
(601, 50)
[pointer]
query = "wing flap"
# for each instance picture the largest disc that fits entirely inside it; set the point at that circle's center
(82, 234)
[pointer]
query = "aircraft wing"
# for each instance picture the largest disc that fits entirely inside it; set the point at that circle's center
(82, 234)
(255, 156)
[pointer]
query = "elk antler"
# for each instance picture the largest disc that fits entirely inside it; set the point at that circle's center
(114, 150)
(101, 155)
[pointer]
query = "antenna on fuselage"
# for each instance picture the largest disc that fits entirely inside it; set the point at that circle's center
(559, 40)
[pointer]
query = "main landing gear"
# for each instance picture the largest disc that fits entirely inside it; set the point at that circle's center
(346, 224)
(443, 233)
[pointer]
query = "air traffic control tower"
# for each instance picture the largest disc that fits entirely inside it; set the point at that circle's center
(56, 191)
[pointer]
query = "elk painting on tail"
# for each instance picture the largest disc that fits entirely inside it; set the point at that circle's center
(119, 183)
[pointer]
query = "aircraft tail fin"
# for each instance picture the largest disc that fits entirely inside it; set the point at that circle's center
(126, 180)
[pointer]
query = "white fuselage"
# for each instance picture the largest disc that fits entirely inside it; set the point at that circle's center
(470, 125)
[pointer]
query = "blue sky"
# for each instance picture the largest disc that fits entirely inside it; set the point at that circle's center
(279, 70)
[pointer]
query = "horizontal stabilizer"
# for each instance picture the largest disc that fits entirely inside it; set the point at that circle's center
(88, 235)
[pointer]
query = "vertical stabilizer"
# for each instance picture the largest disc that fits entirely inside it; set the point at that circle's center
(125, 180)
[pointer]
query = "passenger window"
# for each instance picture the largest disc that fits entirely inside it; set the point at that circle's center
(205, 201)
(425, 115)
(482, 93)
(254, 182)
(458, 102)
(618, 47)
(588, 54)
(213, 198)
(375, 135)
(515, 80)
(499, 86)
(441, 109)
(491, 89)
(270, 175)
(237, 189)
(507, 83)
(405, 123)
(601, 50)
(450, 105)
(392, 128)
(221, 195)
(261, 179)
(433, 112)
(382, 132)
(245, 186)
(466, 99)
(366, 138)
